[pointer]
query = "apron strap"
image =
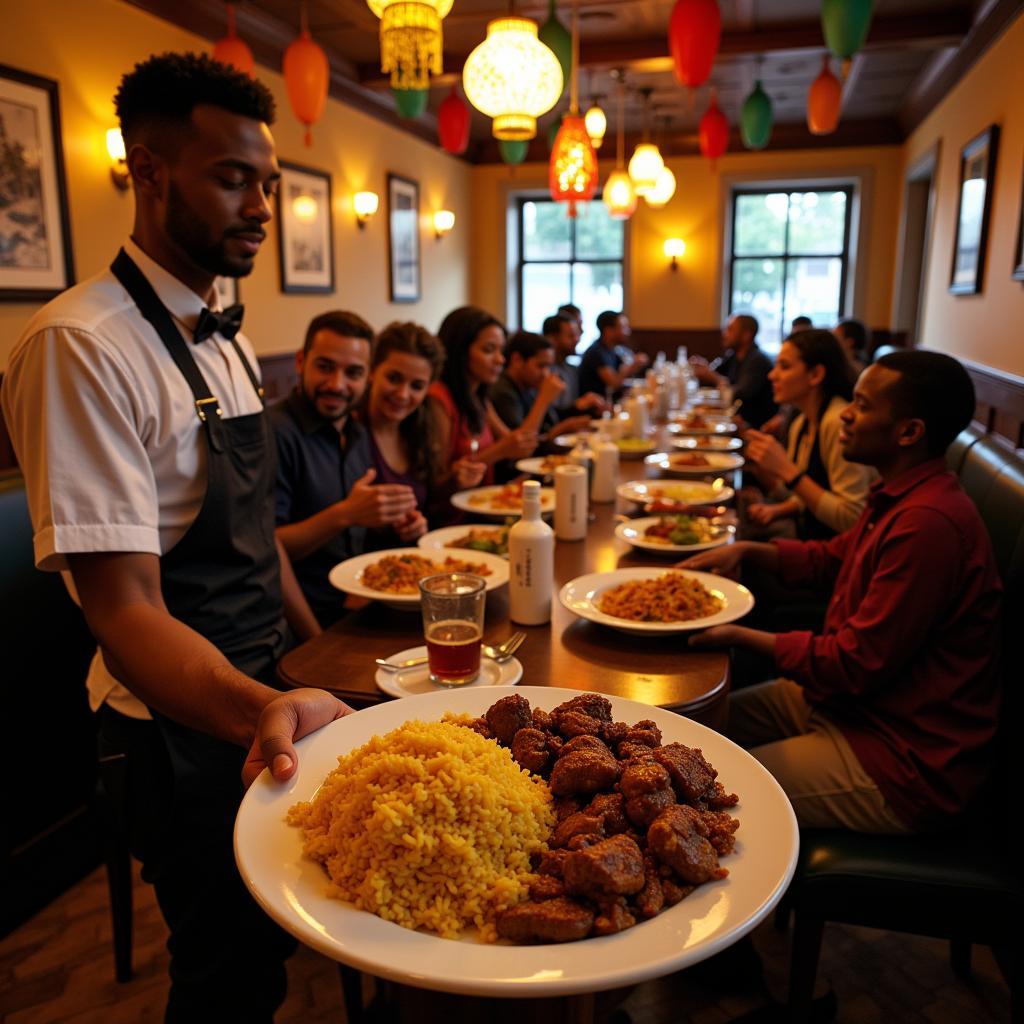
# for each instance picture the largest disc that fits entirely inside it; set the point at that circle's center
(249, 372)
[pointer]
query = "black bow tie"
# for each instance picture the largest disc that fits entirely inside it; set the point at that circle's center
(226, 324)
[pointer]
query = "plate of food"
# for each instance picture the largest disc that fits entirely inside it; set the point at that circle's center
(393, 576)
(694, 463)
(635, 447)
(571, 440)
(696, 422)
(711, 442)
(492, 540)
(430, 863)
(505, 500)
(651, 600)
(682, 493)
(542, 465)
(676, 535)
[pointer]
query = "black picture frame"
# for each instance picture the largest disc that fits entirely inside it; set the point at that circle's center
(36, 258)
(1018, 252)
(305, 230)
(974, 207)
(404, 270)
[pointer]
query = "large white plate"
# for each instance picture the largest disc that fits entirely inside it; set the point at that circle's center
(348, 575)
(632, 532)
(717, 443)
(438, 540)
(693, 493)
(715, 425)
(411, 682)
(581, 595)
(570, 440)
(292, 890)
(718, 462)
(534, 465)
(461, 499)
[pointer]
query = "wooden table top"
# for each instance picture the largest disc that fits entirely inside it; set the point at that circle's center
(568, 651)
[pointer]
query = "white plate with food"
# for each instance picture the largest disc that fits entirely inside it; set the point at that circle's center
(393, 576)
(713, 443)
(694, 463)
(650, 600)
(415, 680)
(501, 500)
(492, 540)
(292, 888)
(702, 423)
(688, 493)
(542, 465)
(675, 535)
(635, 447)
(571, 440)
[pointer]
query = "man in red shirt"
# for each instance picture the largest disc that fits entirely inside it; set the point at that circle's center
(885, 721)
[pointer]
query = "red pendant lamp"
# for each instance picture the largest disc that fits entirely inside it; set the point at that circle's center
(572, 175)
(453, 123)
(306, 74)
(824, 101)
(232, 50)
(694, 32)
(713, 130)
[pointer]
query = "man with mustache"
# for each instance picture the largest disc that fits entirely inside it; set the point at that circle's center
(137, 416)
(326, 498)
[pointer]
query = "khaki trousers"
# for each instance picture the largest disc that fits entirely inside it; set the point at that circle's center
(810, 758)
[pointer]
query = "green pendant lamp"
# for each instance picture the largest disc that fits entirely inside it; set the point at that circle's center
(410, 102)
(513, 151)
(846, 24)
(556, 37)
(756, 119)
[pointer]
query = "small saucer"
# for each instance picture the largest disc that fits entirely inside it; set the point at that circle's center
(412, 681)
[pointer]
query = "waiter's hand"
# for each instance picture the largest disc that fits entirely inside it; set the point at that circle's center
(375, 505)
(285, 719)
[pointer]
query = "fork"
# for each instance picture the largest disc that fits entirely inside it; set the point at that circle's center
(500, 654)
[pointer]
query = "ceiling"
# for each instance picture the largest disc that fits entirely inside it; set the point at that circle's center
(913, 53)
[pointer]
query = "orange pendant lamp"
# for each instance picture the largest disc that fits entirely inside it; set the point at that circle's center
(232, 50)
(306, 74)
(572, 175)
(824, 101)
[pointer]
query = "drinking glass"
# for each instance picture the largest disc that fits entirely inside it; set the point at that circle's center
(453, 626)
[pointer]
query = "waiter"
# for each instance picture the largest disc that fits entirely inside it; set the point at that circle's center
(137, 417)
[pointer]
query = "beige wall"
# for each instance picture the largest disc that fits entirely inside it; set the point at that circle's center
(87, 44)
(985, 327)
(655, 296)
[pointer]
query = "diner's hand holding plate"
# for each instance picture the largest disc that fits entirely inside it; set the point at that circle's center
(584, 595)
(634, 531)
(693, 463)
(410, 682)
(293, 889)
(500, 501)
(695, 493)
(350, 576)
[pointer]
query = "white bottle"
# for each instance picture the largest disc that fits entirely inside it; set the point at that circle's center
(606, 470)
(583, 455)
(531, 558)
(570, 502)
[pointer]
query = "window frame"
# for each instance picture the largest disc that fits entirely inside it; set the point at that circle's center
(519, 201)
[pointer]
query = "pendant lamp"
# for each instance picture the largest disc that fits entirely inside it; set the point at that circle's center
(597, 124)
(512, 77)
(756, 119)
(554, 35)
(306, 74)
(694, 32)
(513, 152)
(646, 163)
(453, 123)
(232, 50)
(824, 101)
(410, 39)
(410, 102)
(572, 174)
(619, 195)
(845, 24)
(664, 189)
(713, 130)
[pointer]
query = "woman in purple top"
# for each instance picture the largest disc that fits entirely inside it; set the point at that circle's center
(405, 439)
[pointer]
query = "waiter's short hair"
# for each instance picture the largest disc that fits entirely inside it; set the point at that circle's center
(932, 387)
(154, 101)
(526, 345)
(338, 321)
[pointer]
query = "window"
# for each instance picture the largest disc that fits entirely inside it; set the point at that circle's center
(789, 257)
(562, 259)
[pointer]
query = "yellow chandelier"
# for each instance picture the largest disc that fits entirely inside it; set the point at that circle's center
(512, 77)
(410, 39)
(664, 189)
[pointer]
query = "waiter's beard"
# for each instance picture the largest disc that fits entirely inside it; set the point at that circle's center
(195, 239)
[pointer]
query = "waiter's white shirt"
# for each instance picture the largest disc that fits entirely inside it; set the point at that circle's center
(106, 430)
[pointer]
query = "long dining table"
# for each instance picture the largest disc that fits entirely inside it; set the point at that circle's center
(567, 652)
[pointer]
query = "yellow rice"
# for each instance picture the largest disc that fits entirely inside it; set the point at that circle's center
(430, 826)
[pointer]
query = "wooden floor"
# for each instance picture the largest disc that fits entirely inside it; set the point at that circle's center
(59, 967)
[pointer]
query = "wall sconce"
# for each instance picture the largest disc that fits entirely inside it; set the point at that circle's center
(444, 221)
(118, 161)
(674, 249)
(365, 205)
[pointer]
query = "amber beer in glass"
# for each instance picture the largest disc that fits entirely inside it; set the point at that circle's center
(453, 621)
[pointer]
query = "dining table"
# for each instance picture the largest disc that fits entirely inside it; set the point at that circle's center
(569, 652)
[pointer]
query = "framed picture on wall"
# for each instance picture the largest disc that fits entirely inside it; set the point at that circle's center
(1018, 253)
(35, 232)
(305, 231)
(404, 239)
(977, 165)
